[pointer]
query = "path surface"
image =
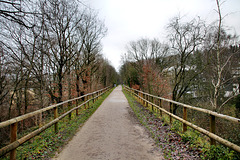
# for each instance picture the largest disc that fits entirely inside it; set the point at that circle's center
(111, 133)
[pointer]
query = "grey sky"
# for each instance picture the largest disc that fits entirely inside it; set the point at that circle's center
(129, 20)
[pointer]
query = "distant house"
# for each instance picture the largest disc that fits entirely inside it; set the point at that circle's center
(234, 89)
(231, 88)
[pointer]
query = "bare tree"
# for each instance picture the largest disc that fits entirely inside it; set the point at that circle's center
(185, 39)
(42, 44)
(93, 32)
(107, 75)
(4, 90)
(221, 60)
(62, 19)
(147, 53)
(17, 11)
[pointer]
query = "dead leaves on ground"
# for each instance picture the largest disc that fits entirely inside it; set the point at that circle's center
(169, 143)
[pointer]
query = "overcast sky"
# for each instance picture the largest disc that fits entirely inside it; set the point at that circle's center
(130, 20)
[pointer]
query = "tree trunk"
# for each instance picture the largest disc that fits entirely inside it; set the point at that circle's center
(175, 107)
(60, 88)
(69, 87)
(77, 85)
(26, 96)
(25, 101)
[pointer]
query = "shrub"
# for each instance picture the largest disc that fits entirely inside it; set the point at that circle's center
(219, 152)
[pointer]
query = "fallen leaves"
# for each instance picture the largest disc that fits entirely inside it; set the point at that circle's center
(168, 141)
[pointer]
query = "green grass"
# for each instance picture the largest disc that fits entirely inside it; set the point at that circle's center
(46, 144)
(144, 117)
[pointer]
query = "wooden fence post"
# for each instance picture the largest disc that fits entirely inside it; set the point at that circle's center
(40, 120)
(69, 108)
(185, 118)
(85, 99)
(138, 94)
(152, 105)
(170, 117)
(140, 97)
(146, 100)
(76, 101)
(55, 116)
(88, 98)
(13, 137)
(92, 97)
(212, 128)
(160, 105)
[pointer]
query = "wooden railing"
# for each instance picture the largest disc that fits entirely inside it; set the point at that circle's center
(148, 99)
(13, 123)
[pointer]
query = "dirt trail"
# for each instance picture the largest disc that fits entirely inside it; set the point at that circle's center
(111, 133)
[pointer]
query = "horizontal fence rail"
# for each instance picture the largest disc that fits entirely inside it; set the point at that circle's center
(14, 142)
(147, 99)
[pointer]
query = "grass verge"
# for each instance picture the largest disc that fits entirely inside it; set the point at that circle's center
(169, 142)
(174, 143)
(46, 144)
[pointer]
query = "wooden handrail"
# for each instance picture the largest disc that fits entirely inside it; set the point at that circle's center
(31, 114)
(213, 137)
(13, 122)
(233, 119)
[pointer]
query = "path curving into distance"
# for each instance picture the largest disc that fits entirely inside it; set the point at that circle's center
(111, 133)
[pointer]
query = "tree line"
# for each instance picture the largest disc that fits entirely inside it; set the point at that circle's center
(50, 52)
(198, 63)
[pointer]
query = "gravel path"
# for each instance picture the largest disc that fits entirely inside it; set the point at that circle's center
(111, 133)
